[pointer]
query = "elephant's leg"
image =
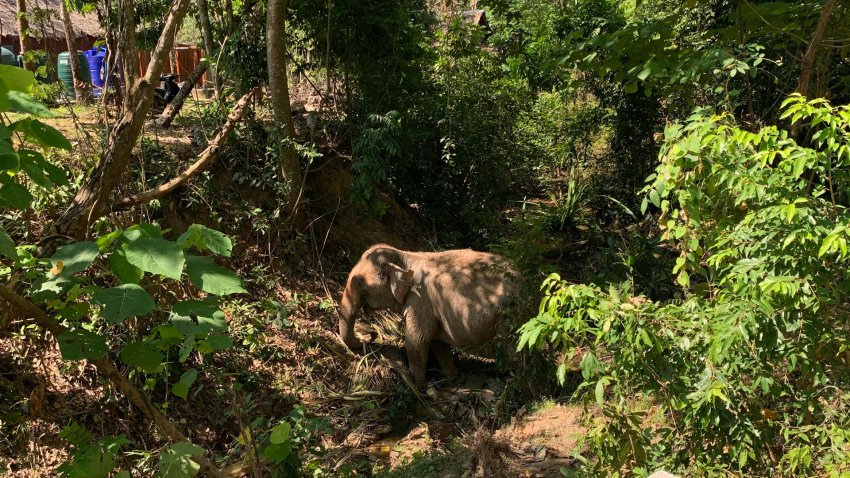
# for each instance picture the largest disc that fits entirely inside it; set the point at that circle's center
(418, 335)
(443, 353)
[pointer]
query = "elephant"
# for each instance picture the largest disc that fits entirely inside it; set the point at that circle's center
(448, 299)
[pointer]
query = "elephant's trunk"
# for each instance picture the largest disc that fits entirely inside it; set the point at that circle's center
(348, 309)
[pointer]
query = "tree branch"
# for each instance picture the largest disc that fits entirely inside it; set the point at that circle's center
(207, 156)
(808, 63)
(171, 110)
(106, 368)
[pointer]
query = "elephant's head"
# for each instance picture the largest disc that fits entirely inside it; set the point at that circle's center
(380, 280)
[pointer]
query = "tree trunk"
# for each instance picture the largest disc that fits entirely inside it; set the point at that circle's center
(23, 32)
(808, 63)
(171, 109)
(209, 46)
(80, 87)
(279, 89)
(93, 200)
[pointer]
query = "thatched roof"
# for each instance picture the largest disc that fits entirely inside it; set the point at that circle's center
(84, 25)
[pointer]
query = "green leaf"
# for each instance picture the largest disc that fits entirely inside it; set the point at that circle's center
(9, 160)
(142, 356)
(17, 79)
(15, 195)
(24, 103)
(7, 245)
(186, 348)
(138, 231)
(200, 308)
(215, 343)
(181, 389)
(280, 433)
(209, 277)
(156, 256)
(277, 452)
(204, 238)
(4, 95)
(75, 257)
(56, 174)
(126, 272)
(177, 460)
(51, 287)
(106, 240)
(119, 303)
(600, 391)
(81, 344)
(49, 136)
(30, 163)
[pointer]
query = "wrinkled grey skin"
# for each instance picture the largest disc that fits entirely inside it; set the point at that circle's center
(450, 298)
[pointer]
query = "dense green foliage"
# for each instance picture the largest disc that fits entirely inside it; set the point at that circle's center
(749, 368)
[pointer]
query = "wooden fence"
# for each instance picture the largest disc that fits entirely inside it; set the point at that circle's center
(183, 60)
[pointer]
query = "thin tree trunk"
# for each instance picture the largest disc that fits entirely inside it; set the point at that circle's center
(93, 200)
(279, 89)
(80, 88)
(808, 64)
(23, 33)
(204, 159)
(209, 46)
(171, 109)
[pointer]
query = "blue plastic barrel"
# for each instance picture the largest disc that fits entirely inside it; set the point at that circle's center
(95, 58)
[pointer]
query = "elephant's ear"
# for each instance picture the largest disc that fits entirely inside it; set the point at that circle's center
(400, 281)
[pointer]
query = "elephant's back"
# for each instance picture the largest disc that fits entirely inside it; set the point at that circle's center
(470, 289)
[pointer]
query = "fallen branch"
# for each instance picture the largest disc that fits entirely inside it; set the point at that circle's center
(206, 157)
(171, 110)
(106, 368)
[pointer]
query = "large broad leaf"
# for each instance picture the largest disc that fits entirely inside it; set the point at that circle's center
(119, 303)
(75, 257)
(156, 256)
(177, 460)
(49, 136)
(204, 238)
(25, 103)
(9, 160)
(181, 388)
(88, 462)
(31, 163)
(209, 277)
(56, 174)
(142, 356)
(15, 195)
(51, 287)
(7, 245)
(106, 240)
(81, 344)
(138, 231)
(281, 445)
(4, 98)
(126, 272)
(215, 343)
(208, 313)
(17, 79)
(198, 308)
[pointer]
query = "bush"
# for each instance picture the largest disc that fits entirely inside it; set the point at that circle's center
(748, 373)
